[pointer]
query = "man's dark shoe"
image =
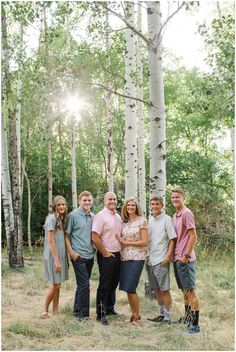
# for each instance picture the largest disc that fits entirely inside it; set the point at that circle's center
(158, 319)
(103, 320)
(112, 312)
(193, 329)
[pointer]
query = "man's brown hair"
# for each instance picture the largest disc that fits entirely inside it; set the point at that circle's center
(157, 199)
(84, 194)
(178, 190)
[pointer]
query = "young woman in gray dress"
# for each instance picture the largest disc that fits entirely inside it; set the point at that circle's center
(55, 257)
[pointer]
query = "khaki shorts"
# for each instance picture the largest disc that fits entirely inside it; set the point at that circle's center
(159, 277)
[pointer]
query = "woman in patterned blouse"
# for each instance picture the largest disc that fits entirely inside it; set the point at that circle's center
(134, 240)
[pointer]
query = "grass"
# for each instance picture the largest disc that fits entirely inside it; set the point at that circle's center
(22, 300)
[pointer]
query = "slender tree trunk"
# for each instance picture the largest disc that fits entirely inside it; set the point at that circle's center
(49, 169)
(29, 205)
(18, 112)
(109, 121)
(16, 240)
(157, 110)
(140, 114)
(130, 107)
(6, 185)
(73, 165)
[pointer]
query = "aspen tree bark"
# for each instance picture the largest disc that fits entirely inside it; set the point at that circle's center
(109, 121)
(140, 114)
(130, 107)
(18, 115)
(49, 169)
(16, 239)
(6, 185)
(29, 205)
(73, 166)
(157, 109)
(49, 124)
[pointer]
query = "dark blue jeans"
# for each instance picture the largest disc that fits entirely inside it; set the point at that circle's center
(82, 268)
(109, 269)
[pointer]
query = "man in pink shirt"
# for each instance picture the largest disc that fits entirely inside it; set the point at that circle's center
(107, 226)
(184, 259)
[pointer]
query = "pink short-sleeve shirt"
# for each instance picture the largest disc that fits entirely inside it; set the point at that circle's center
(107, 225)
(183, 221)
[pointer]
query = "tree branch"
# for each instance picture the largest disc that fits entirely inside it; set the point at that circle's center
(147, 41)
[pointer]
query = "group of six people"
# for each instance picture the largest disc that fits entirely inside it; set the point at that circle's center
(122, 244)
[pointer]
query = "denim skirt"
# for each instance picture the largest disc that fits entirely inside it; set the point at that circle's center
(130, 271)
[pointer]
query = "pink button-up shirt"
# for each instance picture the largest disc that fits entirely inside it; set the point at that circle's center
(183, 221)
(107, 225)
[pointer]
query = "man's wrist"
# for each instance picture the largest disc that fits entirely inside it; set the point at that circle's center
(188, 256)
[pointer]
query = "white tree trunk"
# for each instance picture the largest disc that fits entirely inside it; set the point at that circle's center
(141, 156)
(29, 206)
(16, 238)
(18, 114)
(130, 107)
(109, 121)
(6, 185)
(73, 165)
(49, 169)
(157, 110)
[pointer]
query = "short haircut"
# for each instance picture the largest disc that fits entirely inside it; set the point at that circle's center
(157, 199)
(84, 194)
(178, 190)
(124, 213)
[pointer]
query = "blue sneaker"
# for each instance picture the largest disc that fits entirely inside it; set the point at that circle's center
(193, 329)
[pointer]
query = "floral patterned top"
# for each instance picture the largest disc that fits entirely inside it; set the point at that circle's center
(131, 232)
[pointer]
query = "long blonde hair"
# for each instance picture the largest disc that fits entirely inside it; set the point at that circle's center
(124, 213)
(60, 219)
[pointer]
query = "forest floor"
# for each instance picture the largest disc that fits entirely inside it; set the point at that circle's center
(22, 300)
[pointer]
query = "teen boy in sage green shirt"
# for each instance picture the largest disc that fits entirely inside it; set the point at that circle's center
(81, 250)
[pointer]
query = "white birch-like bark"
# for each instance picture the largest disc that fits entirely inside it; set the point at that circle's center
(29, 206)
(16, 239)
(130, 107)
(6, 185)
(73, 168)
(157, 110)
(109, 121)
(140, 114)
(49, 169)
(18, 114)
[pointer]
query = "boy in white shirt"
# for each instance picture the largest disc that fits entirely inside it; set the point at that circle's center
(161, 246)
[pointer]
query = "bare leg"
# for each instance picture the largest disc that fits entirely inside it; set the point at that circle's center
(133, 299)
(49, 297)
(55, 302)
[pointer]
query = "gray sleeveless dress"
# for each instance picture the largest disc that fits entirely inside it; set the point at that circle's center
(50, 274)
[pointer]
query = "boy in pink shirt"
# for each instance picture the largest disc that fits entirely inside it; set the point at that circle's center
(184, 259)
(107, 225)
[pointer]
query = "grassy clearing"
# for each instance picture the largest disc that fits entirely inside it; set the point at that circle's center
(22, 299)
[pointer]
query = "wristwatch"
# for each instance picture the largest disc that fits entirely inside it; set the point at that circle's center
(187, 256)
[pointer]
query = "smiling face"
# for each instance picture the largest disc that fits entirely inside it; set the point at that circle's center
(131, 208)
(61, 206)
(110, 201)
(177, 200)
(156, 207)
(86, 202)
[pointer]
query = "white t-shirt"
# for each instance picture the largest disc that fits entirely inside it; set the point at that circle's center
(161, 231)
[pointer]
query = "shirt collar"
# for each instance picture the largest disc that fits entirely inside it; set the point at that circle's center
(81, 212)
(180, 212)
(160, 215)
(109, 211)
